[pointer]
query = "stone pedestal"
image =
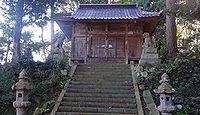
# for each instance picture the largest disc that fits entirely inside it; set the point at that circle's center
(21, 107)
(145, 61)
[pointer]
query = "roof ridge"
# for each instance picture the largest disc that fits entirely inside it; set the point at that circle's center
(107, 5)
(111, 11)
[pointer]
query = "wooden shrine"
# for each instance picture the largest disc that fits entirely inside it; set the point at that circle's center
(107, 32)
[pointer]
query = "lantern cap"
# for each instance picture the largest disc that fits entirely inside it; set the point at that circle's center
(165, 87)
(164, 78)
(23, 75)
(23, 83)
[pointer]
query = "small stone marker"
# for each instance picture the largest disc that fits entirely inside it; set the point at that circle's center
(22, 88)
(165, 91)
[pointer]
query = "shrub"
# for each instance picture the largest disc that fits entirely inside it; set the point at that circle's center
(46, 79)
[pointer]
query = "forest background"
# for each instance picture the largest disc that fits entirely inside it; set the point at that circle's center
(20, 42)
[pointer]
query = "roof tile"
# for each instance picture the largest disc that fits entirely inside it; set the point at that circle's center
(113, 11)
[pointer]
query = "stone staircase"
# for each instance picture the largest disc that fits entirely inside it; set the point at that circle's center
(99, 89)
(106, 60)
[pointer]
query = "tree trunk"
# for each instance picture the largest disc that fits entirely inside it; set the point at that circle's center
(52, 25)
(52, 34)
(171, 29)
(198, 8)
(7, 51)
(44, 50)
(18, 30)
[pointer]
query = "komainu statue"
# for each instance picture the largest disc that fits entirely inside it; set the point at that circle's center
(149, 44)
(149, 52)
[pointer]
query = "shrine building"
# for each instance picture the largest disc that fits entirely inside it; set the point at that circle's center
(107, 33)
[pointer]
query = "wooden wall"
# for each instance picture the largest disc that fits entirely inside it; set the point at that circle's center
(107, 39)
(135, 40)
(79, 40)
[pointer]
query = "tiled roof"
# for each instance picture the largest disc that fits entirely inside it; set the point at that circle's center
(111, 11)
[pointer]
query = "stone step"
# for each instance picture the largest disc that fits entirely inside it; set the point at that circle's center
(96, 109)
(101, 79)
(103, 73)
(97, 99)
(81, 113)
(105, 76)
(103, 95)
(102, 83)
(99, 104)
(100, 87)
(106, 60)
(96, 90)
(104, 65)
(102, 69)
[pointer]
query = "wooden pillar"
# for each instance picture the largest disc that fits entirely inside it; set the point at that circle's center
(89, 42)
(86, 43)
(126, 43)
(73, 41)
(106, 41)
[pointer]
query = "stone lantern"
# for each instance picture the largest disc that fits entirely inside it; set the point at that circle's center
(22, 88)
(165, 91)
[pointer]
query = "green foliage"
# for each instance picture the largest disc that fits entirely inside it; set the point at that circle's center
(184, 74)
(187, 111)
(46, 79)
(28, 44)
(23, 13)
(8, 77)
(93, 1)
(161, 47)
(46, 107)
(5, 39)
(187, 9)
(34, 9)
(152, 5)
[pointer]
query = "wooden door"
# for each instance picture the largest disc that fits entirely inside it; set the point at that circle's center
(98, 47)
(79, 47)
(120, 47)
(107, 47)
(110, 47)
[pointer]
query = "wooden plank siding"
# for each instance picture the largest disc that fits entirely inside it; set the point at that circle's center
(114, 40)
(79, 41)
